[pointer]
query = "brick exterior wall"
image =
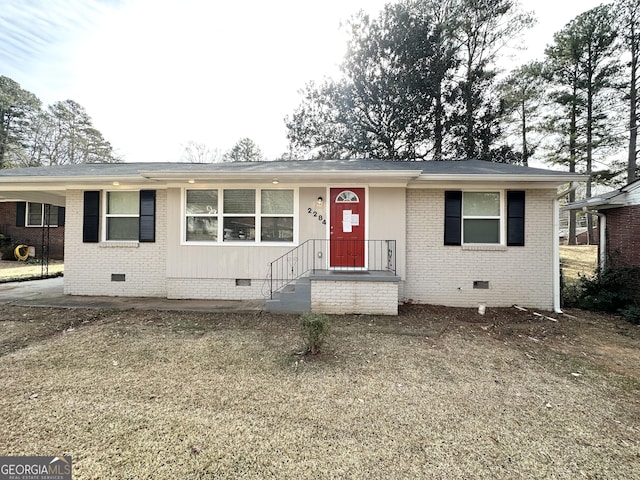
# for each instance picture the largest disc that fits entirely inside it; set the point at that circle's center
(342, 297)
(215, 288)
(444, 275)
(623, 235)
(89, 266)
(623, 240)
(30, 235)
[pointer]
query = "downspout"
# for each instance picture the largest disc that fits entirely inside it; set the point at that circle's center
(602, 246)
(556, 255)
(556, 246)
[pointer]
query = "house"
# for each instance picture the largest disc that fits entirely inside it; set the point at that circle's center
(35, 224)
(332, 236)
(618, 214)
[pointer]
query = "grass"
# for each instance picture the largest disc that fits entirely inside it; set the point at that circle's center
(433, 393)
(578, 260)
(17, 271)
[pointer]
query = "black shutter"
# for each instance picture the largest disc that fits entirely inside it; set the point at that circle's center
(452, 217)
(147, 216)
(21, 213)
(60, 216)
(515, 218)
(91, 217)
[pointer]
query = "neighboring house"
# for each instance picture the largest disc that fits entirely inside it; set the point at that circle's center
(619, 218)
(35, 224)
(363, 235)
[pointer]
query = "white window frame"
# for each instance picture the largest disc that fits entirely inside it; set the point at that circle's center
(41, 224)
(261, 215)
(214, 214)
(258, 215)
(106, 216)
(254, 215)
(501, 218)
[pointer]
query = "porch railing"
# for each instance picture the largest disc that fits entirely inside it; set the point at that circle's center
(323, 254)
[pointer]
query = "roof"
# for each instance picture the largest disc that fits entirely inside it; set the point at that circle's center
(460, 167)
(627, 195)
(55, 180)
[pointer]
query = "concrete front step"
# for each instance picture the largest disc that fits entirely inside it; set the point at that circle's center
(294, 298)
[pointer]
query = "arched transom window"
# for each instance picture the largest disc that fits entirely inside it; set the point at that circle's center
(347, 196)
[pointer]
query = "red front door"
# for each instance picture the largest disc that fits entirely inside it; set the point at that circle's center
(347, 227)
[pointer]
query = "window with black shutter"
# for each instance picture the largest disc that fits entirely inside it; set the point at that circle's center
(91, 217)
(476, 217)
(452, 217)
(147, 216)
(515, 218)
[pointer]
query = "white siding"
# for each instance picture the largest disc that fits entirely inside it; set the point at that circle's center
(387, 221)
(211, 271)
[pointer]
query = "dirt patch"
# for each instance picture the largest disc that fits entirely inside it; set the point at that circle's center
(433, 393)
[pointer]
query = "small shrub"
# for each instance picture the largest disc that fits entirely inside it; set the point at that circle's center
(7, 251)
(632, 314)
(608, 290)
(571, 292)
(315, 328)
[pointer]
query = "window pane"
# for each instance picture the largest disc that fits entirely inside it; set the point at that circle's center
(123, 203)
(202, 201)
(277, 201)
(239, 229)
(481, 204)
(277, 229)
(53, 215)
(35, 214)
(481, 231)
(202, 229)
(122, 228)
(239, 201)
(347, 197)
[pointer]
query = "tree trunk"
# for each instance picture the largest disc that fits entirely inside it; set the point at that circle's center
(468, 114)
(4, 137)
(525, 149)
(633, 119)
(437, 128)
(571, 240)
(590, 95)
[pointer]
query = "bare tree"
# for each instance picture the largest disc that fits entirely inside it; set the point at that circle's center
(195, 152)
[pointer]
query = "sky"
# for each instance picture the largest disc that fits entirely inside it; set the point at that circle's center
(157, 74)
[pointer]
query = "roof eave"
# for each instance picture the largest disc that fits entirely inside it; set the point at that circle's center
(30, 180)
(470, 177)
(293, 175)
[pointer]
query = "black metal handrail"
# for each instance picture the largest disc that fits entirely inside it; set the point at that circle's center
(340, 255)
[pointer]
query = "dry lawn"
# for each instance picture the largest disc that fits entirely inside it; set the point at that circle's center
(578, 260)
(10, 270)
(434, 393)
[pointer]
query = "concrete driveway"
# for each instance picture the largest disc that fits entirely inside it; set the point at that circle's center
(50, 293)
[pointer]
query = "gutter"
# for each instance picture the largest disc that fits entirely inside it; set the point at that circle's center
(572, 188)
